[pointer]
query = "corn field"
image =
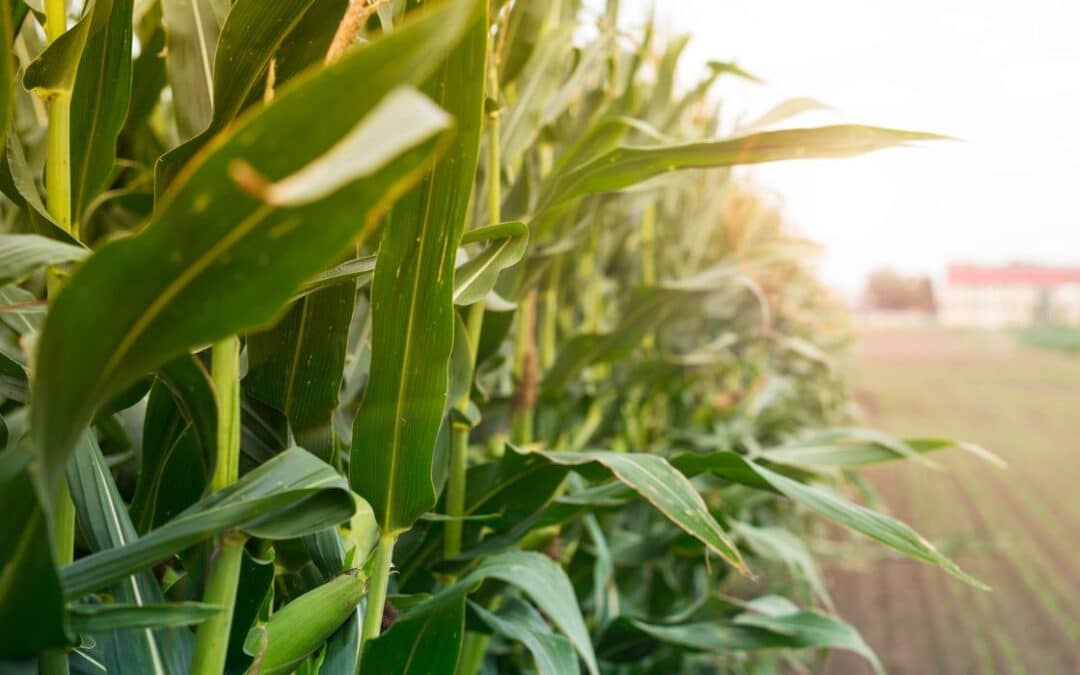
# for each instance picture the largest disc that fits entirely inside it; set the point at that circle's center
(411, 337)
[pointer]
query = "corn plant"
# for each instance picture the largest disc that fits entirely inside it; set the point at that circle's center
(408, 337)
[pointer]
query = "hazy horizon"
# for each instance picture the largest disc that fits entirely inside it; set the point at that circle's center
(1003, 79)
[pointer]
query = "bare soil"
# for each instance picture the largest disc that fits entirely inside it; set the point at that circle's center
(1017, 530)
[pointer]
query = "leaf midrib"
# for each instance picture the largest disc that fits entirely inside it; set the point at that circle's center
(80, 193)
(484, 267)
(176, 286)
(204, 55)
(290, 382)
(694, 498)
(7, 576)
(406, 361)
(416, 643)
(114, 516)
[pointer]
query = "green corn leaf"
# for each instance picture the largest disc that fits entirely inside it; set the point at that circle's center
(732, 68)
(459, 383)
(538, 82)
(553, 654)
(649, 308)
(17, 181)
(192, 30)
(412, 312)
(473, 279)
(17, 184)
(805, 628)
(113, 616)
(850, 447)
(99, 101)
(193, 393)
(749, 631)
(293, 494)
(309, 40)
(296, 366)
(513, 489)
(254, 598)
(53, 72)
(170, 447)
(28, 318)
(627, 166)
(148, 76)
(88, 660)
(7, 66)
(536, 575)
(404, 119)
(127, 398)
(663, 486)
(174, 286)
(889, 531)
(660, 98)
(785, 547)
(359, 269)
(544, 95)
(498, 318)
(523, 28)
(425, 640)
(519, 485)
(103, 519)
(13, 380)
(728, 465)
(31, 599)
(602, 137)
(90, 64)
(588, 65)
(884, 529)
(547, 586)
(605, 598)
(24, 254)
(252, 31)
(716, 70)
(264, 432)
(476, 277)
(342, 654)
(19, 10)
(514, 486)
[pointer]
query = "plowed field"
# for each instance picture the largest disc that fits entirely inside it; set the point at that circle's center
(1017, 529)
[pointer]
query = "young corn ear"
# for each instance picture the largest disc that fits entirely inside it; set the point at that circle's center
(303, 625)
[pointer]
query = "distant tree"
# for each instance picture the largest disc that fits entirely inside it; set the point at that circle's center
(889, 290)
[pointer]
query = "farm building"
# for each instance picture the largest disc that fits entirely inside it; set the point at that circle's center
(1010, 295)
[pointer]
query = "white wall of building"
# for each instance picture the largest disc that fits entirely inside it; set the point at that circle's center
(1004, 305)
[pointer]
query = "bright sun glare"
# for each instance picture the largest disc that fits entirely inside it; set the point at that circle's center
(999, 75)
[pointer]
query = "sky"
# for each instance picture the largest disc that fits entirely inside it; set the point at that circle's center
(1002, 76)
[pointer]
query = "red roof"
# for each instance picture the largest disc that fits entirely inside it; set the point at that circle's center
(1028, 275)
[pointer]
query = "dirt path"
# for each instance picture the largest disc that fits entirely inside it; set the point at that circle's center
(1017, 530)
